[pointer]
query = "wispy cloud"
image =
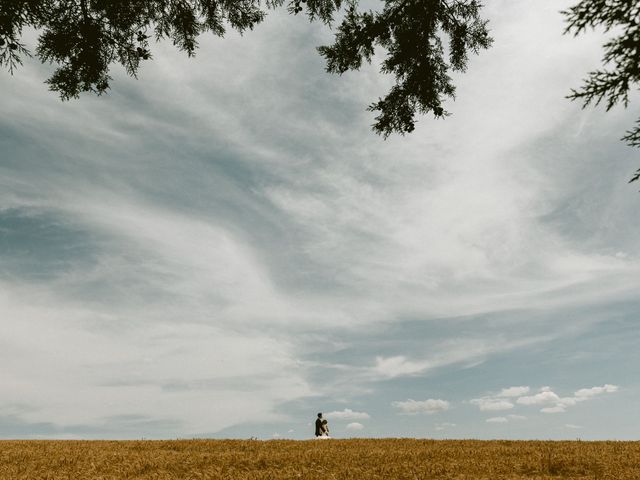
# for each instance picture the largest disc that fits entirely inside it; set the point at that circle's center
(492, 404)
(348, 414)
(516, 417)
(593, 391)
(444, 426)
(506, 419)
(450, 352)
(354, 426)
(429, 406)
(572, 426)
(544, 397)
(556, 404)
(502, 400)
(513, 391)
(497, 420)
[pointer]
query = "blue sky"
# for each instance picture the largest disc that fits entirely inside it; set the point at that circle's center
(223, 248)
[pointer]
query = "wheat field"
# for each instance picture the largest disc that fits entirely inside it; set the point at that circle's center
(335, 459)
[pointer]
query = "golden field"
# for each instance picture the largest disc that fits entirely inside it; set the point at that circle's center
(329, 459)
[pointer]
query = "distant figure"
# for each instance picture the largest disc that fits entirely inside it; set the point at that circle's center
(322, 428)
(325, 428)
(319, 430)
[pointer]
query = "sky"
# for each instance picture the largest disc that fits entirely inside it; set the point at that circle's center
(223, 248)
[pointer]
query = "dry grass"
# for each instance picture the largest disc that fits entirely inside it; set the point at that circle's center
(331, 459)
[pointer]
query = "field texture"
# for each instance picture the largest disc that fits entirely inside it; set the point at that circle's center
(330, 459)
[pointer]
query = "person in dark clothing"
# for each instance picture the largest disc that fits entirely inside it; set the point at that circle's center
(319, 429)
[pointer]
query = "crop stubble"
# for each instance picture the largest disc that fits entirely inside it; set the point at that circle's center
(330, 459)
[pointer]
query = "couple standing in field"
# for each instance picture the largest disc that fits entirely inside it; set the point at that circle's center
(322, 428)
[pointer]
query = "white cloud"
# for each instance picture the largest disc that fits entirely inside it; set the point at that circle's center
(593, 391)
(572, 426)
(516, 417)
(542, 398)
(500, 401)
(497, 420)
(505, 419)
(444, 426)
(492, 404)
(556, 409)
(355, 426)
(429, 406)
(513, 391)
(450, 352)
(398, 366)
(138, 368)
(347, 414)
(557, 404)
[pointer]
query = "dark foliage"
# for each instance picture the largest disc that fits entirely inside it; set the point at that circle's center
(413, 33)
(612, 84)
(84, 37)
(423, 40)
